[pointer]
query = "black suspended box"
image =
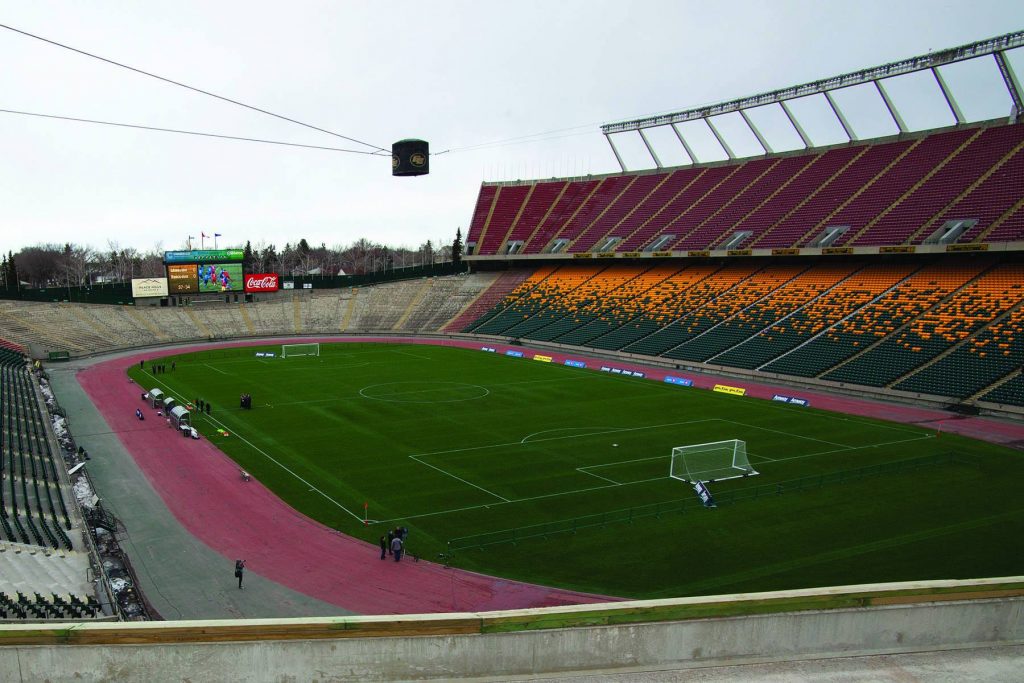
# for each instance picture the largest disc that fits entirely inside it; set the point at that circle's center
(410, 157)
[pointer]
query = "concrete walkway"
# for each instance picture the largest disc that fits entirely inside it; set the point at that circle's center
(182, 577)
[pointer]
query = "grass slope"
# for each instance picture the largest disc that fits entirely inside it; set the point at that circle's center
(452, 442)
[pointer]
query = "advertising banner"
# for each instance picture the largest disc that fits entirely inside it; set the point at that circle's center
(204, 256)
(681, 381)
(726, 389)
(488, 349)
(514, 354)
(261, 282)
(791, 399)
(542, 359)
(288, 284)
(704, 494)
(149, 286)
(575, 364)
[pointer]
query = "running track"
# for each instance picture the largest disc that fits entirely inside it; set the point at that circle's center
(202, 488)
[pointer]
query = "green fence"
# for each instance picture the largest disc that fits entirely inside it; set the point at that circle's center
(691, 503)
(121, 292)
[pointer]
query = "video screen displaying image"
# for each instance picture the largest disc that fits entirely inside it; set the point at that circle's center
(219, 277)
(182, 279)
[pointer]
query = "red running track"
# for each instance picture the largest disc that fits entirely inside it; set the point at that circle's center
(202, 488)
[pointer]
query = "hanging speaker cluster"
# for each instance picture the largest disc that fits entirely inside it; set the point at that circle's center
(410, 157)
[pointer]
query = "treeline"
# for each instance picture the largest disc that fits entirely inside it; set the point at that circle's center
(75, 265)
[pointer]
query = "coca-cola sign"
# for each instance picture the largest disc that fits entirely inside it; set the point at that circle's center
(261, 282)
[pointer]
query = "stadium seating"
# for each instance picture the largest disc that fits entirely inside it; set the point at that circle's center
(874, 322)
(1010, 392)
(32, 508)
(885, 193)
(968, 310)
(803, 324)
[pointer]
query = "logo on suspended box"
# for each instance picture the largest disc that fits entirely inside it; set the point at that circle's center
(261, 282)
(418, 159)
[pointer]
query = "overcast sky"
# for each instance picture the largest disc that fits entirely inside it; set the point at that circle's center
(458, 74)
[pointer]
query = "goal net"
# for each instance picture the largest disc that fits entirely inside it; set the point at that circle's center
(291, 350)
(708, 462)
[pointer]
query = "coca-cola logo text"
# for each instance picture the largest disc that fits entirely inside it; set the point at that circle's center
(261, 282)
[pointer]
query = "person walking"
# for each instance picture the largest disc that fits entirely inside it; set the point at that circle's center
(383, 547)
(239, 570)
(396, 548)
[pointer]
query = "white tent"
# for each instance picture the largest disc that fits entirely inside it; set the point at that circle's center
(179, 416)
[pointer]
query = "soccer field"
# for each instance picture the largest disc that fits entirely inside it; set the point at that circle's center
(460, 444)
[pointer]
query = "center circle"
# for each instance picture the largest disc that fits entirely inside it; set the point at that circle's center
(424, 392)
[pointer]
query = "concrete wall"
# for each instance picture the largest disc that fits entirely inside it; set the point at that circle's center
(897, 618)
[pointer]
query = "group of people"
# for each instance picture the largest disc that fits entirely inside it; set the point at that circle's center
(139, 415)
(394, 543)
(202, 406)
(247, 401)
(158, 368)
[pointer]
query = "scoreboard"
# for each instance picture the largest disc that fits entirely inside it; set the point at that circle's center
(204, 270)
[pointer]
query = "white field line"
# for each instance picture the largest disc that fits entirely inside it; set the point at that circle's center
(520, 500)
(644, 481)
(273, 460)
(583, 470)
(411, 355)
(216, 369)
(559, 438)
(790, 434)
(856, 448)
(565, 429)
(453, 476)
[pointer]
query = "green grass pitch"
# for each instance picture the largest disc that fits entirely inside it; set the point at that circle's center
(454, 442)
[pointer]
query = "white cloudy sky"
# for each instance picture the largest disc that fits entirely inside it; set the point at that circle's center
(457, 74)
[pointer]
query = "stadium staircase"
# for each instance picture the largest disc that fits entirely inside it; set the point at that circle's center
(1009, 390)
(497, 289)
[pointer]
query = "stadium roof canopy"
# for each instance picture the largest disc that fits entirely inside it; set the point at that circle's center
(876, 76)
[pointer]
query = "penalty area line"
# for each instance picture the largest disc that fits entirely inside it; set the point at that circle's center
(453, 476)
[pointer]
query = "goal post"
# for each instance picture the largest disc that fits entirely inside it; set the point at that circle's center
(292, 350)
(707, 462)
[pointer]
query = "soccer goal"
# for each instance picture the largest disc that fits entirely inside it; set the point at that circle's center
(291, 350)
(708, 462)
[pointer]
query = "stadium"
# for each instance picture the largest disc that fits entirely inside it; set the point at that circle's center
(747, 411)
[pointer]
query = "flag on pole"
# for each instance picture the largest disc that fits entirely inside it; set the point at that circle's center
(216, 234)
(204, 234)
